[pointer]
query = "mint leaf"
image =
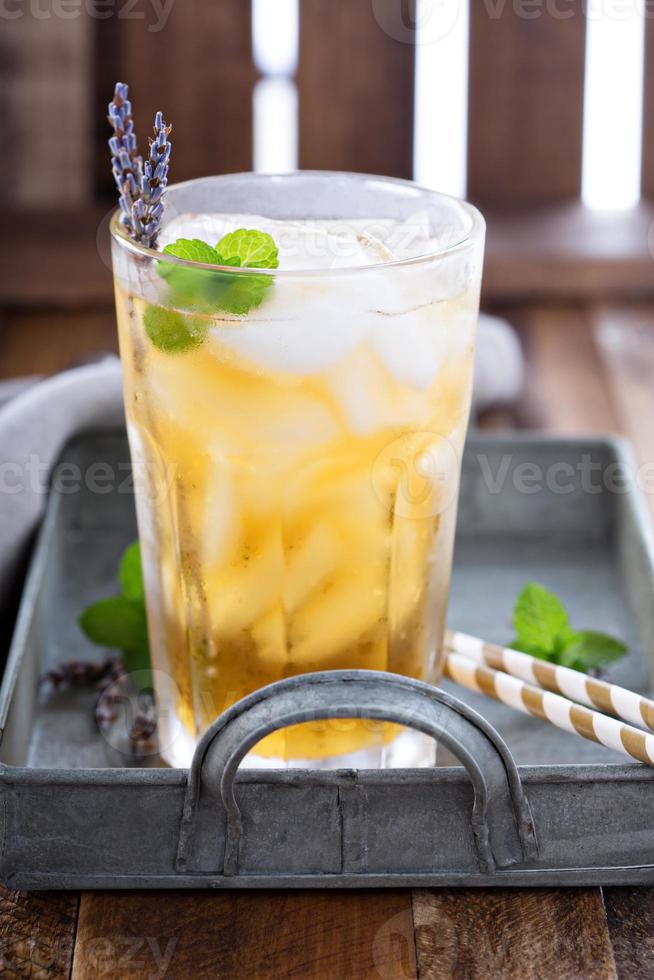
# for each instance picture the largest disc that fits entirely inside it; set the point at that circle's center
(188, 286)
(192, 287)
(130, 574)
(213, 291)
(543, 630)
(173, 332)
(119, 624)
(254, 249)
(538, 652)
(240, 294)
(540, 621)
(193, 250)
(587, 649)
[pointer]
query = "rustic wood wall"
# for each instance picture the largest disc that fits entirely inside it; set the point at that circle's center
(525, 106)
(356, 90)
(355, 85)
(648, 114)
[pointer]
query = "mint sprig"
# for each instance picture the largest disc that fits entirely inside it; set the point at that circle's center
(208, 290)
(543, 630)
(119, 622)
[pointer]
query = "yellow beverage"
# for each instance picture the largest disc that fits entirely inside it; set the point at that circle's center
(296, 498)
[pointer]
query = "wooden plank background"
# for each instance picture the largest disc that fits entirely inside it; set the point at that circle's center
(198, 70)
(256, 935)
(37, 934)
(355, 89)
(504, 933)
(525, 104)
(355, 82)
(8, 106)
(648, 108)
(47, 149)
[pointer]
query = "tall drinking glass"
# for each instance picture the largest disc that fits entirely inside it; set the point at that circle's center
(297, 465)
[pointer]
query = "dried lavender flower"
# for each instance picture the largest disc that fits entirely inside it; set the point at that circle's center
(80, 673)
(140, 186)
(148, 209)
(112, 684)
(126, 164)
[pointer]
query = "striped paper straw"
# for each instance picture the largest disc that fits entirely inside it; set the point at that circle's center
(550, 707)
(570, 683)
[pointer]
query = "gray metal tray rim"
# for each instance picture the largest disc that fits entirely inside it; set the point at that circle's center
(590, 772)
(578, 877)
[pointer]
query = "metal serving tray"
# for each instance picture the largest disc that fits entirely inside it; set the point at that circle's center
(533, 806)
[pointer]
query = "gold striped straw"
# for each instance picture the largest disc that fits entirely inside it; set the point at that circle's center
(550, 707)
(572, 684)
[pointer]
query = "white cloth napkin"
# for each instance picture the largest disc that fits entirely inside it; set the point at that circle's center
(499, 364)
(35, 424)
(37, 418)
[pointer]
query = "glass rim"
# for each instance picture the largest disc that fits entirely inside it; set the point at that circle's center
(476, 227)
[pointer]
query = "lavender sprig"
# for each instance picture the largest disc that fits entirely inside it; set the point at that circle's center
(148, 208)
(126, 164)
(140, 186)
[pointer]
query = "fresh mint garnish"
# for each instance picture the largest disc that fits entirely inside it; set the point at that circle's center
(207, 290)
(193, 250)
(194, 288)
(592, 649)
(172, 332)
(120, 622)
(254, 249)
(543, 630)
(130, 574)
(540, 619)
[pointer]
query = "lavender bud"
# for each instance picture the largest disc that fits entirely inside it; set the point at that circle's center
(140, 185)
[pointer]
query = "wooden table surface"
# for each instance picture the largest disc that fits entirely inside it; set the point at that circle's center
(590, 370)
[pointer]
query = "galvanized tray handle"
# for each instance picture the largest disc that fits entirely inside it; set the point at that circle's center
(501, 819)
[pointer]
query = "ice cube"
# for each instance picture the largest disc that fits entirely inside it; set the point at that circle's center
(409, 238)
(335, 620)
(360, 387)
(248, 587)
(410, 347)
(221, 524)
(237, 413)
(302, 244)
(302, 328)
(306, 324)
(309, 561)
